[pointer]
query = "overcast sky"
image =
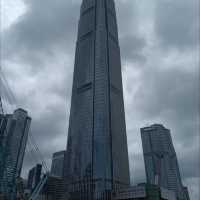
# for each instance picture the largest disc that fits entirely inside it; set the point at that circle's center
(159, 43)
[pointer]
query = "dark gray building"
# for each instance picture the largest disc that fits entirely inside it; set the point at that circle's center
(58, 164)
(144, 192)
(13, 138)
(34, 177)
(160, 159)
(97, 155)
(53, 189)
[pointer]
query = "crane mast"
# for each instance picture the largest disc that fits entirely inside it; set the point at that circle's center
(1, 106)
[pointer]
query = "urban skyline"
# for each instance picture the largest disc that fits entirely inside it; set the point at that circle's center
(128, 101)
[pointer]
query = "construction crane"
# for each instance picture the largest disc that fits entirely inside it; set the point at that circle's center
(1, 106)
(35, 194)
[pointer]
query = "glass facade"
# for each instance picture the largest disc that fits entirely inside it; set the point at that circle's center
(160, 159)
(14, 133)
(57, 164)
(97, 156)
(34, 177)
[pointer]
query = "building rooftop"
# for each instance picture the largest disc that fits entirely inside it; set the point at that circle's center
(21, 109)
(153, 127)
(58, 153)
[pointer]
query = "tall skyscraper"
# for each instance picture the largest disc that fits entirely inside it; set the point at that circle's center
(58, 164)
(13, 138)
(160, 159)
(97, 155)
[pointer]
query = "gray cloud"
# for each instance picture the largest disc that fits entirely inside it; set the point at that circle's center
(127, 13)
(177, 23)
(131, 42)
(131, 48)
(47, 27)
(164, 89)
(137, 168)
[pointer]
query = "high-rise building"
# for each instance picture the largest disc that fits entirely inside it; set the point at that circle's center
(34, 177)
(97, 155)
(160, 159)
(13, 138)
(58, 164)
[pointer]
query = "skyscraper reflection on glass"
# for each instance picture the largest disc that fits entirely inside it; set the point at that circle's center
(97, 156)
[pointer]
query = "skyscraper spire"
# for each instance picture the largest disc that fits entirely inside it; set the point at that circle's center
(97, 155)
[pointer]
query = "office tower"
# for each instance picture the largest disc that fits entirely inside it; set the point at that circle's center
(160, 159)
(58, 164)
(13, 138)
(34, 176)
(97, 156)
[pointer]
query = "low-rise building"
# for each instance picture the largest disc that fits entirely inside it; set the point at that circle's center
(53, 189)
(144, 192)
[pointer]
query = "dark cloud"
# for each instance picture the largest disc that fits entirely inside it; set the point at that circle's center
(40, 46)
(176, 23)
(47, 27)
(165, 89)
